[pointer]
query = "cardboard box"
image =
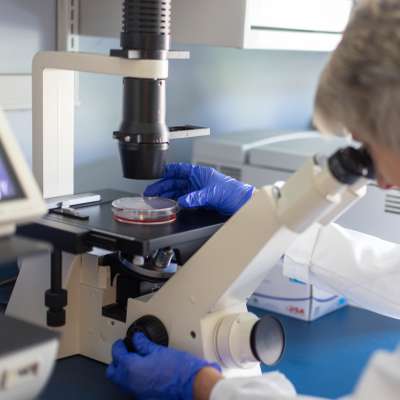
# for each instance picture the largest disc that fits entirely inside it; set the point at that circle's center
(295, 299)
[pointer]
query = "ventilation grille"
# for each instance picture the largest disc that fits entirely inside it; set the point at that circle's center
(147, 16)
(392, 202)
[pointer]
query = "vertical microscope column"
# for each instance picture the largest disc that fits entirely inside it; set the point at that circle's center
(144, 135)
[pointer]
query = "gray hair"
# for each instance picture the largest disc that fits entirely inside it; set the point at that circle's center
(359, 90)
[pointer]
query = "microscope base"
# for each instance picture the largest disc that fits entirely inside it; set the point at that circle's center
(87, 332)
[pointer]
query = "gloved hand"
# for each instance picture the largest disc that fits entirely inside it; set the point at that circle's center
(197, 186)
(155, 372)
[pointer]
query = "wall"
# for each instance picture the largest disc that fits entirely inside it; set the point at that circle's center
(226, 89)
(26, 26)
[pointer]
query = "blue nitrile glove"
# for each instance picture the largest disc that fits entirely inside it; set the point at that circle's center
(197, 186)
(155, 372)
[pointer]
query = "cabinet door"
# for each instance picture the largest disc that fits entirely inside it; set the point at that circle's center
(307, 25)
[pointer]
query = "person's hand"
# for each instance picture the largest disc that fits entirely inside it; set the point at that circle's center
(155, 372)
(197, 186)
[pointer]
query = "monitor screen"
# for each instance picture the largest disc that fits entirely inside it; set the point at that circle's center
(10, 188)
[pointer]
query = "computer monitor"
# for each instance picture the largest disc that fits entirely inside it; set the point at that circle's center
(20, 198)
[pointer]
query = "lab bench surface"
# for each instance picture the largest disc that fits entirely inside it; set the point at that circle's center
(323, 358)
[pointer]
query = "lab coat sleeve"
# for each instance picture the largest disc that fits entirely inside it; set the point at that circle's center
(381, 379)
(272, 386)
(363, 268)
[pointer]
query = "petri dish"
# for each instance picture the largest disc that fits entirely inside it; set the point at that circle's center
(144, 210)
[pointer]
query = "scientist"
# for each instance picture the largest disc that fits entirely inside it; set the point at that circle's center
(359, 92)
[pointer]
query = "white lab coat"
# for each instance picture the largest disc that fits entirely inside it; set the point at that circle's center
(366, 270)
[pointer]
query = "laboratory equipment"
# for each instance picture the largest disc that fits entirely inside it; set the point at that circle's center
(263, 24)
(27, 352)
(210, 290)
(27, 355)
(308, 25)
(143, 137)
(96, 256)
(190, 278)
(263, 158)
(277, 153)
(20, 198)
(377, 213)
(230, 152)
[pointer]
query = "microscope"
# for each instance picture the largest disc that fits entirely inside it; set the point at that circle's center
(184, 284)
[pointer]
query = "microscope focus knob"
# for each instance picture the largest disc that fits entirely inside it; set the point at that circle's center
(152, 327)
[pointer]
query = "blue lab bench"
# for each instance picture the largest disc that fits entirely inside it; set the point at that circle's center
(326, 357)
(323, 358)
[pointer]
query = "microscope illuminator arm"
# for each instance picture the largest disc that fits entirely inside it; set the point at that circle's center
(53, 109)
(217, 281)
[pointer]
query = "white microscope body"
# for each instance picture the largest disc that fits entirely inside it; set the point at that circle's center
(211, 290)
(203, 306)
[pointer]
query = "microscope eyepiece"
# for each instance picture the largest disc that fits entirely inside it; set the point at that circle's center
(350, 164)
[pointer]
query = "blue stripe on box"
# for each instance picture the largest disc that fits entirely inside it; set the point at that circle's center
(295, 299)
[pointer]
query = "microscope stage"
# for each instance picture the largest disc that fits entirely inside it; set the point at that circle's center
(187, 234)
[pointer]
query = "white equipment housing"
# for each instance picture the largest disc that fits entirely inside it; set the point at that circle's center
(27, 352)
(274, 157)
(27, 355)
(20, 198)
(307, 25)
(209, 293)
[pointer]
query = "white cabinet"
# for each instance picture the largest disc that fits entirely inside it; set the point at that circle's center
(311, 25)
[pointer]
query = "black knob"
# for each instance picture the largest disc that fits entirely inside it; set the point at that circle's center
(56, 318)
(152, 327)
(267, 340)
(56, 301)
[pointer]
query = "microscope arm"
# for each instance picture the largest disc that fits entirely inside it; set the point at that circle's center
(229, 263)
(217, 281)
